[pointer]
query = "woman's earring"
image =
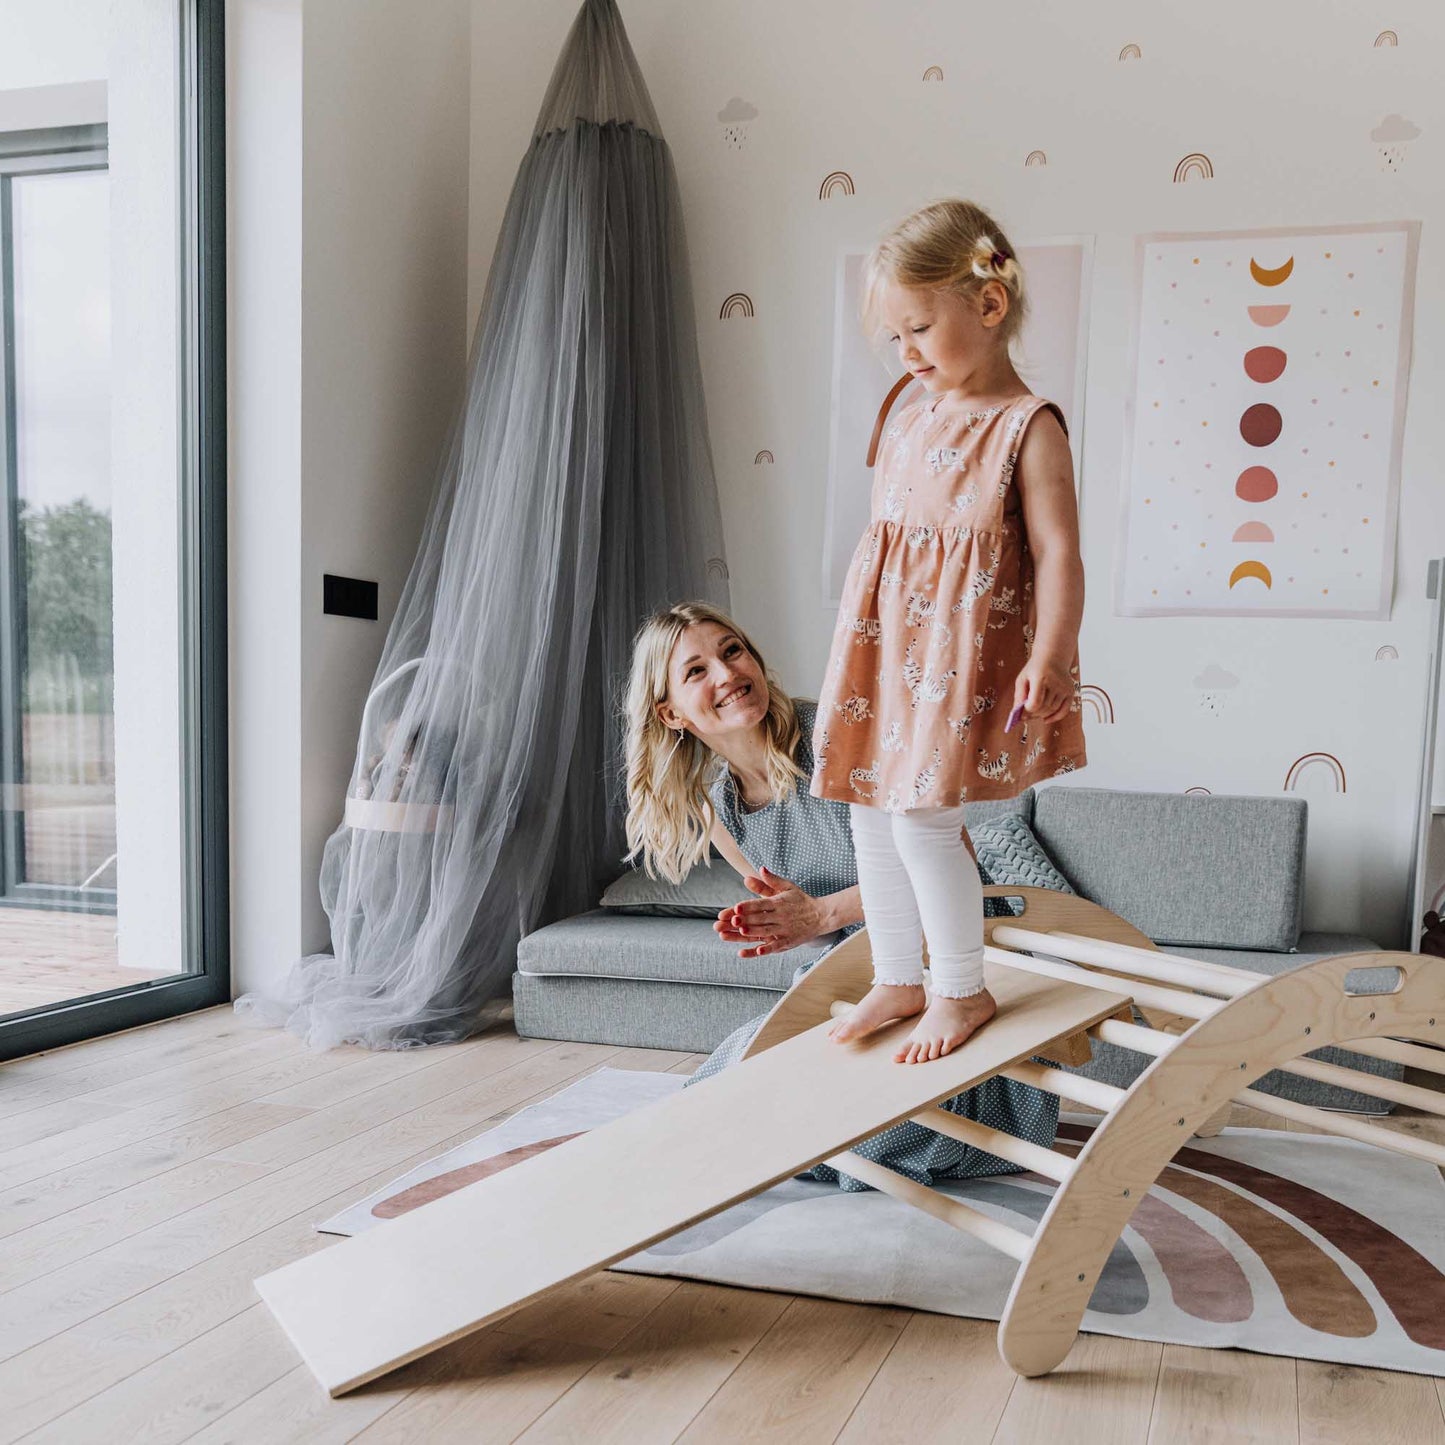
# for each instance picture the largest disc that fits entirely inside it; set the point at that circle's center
(681, 733)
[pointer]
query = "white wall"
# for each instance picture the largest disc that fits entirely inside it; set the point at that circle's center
(1282, 97)
(348, 139)
(263, 213)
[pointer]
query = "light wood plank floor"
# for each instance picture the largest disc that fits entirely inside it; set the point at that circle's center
(47, 957)
(147, 1178)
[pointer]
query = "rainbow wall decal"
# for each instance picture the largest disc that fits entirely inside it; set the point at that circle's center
(836, 183)
(934, 72)
(1131, 52)
(1194, 165)
(1099, 701)
(1197, 793)
(1386, 40)
(763, 456)
(738, 304)
(716, 567)
(1387, 653)
(1035, 158)
(1315, 762)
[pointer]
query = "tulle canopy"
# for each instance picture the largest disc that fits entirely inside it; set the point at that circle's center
(576, 492)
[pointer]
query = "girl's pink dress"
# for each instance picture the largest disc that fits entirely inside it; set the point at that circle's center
(936, 623)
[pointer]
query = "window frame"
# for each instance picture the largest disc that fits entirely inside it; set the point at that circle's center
(202, 643)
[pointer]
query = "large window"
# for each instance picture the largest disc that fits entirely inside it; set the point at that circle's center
(112, 548)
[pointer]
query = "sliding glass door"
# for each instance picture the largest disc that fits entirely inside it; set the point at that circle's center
(112, 544)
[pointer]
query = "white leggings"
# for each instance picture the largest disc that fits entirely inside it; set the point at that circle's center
(916, 878)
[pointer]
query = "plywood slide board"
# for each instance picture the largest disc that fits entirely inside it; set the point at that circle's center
(377, 1300)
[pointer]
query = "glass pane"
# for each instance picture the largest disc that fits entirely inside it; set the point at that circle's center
(93, 852)
(61, 838)
(62, 431)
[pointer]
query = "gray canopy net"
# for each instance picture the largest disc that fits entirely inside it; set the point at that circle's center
(576, 493)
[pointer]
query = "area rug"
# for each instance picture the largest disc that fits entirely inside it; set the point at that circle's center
(1286, 1244)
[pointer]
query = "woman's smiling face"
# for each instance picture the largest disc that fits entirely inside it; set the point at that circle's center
(714, 684)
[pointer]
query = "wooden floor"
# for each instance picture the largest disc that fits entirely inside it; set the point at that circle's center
(147, 1178)
(48, 956)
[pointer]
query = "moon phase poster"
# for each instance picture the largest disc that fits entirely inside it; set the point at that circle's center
(1264, 421)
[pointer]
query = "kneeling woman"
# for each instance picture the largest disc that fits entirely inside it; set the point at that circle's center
(718, 753)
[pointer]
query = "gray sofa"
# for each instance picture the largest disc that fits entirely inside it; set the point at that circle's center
(1208, 877)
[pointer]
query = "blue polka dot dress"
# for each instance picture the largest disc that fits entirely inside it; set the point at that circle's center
(808, 841)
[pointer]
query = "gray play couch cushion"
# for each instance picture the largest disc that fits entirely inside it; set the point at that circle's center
(1187, 869)
(606, 944)
(704, 893)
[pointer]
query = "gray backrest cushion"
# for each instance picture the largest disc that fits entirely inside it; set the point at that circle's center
(1021, 806)
(1204, 870)
(704, 893)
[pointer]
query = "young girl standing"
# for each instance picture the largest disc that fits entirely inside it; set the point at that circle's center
(954, 672)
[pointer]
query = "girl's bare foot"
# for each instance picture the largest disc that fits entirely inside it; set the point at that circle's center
(882, 1004)
(946, 1024)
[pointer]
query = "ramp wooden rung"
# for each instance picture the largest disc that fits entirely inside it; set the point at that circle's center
(1074, 1087)
(1132, 1036)
(1397, 1051)
(1192, 1005)
(1152, 963)
(1347, 1126)
(997, 1142)
(1003, 1237)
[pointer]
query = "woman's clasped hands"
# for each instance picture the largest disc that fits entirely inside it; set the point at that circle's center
(781, 917)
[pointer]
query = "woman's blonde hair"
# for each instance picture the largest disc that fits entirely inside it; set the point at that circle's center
(947, 246)
(669, 813)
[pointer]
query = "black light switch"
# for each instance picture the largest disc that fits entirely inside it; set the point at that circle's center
(348, 597)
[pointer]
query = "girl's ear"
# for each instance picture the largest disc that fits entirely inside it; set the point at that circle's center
(667, 715)
(993, 303)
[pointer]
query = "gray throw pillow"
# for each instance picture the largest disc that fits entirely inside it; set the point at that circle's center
(1009, 853)
(704, 893)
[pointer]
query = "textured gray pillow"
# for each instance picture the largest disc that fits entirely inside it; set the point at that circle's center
(704, 893)
(1009, 853)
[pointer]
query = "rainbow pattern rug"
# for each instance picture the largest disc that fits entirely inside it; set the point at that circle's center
(1286, 1244)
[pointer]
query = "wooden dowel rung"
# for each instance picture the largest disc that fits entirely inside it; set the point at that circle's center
(1345, 1126)
(1074, 1087)
(1411, 1095)
(1142, 963)
(1397, 1051)
(1217, 977)
(1003, 1237)
(1133, 1036)
(995, 1141)
(1150, 995)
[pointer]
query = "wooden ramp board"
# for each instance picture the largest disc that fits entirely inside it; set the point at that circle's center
(415, 1283)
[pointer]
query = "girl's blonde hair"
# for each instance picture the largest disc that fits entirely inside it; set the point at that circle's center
(669, 813)
(947, 246)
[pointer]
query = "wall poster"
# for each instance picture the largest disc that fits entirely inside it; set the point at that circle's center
(1264, 422)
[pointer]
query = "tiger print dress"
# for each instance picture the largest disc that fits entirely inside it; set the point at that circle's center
(936, 623)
